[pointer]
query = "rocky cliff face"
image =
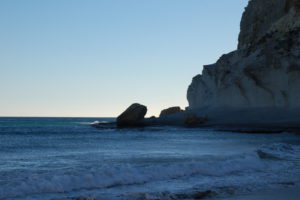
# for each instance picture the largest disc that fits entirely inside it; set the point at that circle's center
(265, 69)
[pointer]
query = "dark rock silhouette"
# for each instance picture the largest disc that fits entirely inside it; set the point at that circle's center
(193, 121)
(169, 111)
(254, 88)
(132, 116)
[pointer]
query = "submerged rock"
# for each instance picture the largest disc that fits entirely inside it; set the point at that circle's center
(132, 116)
(169, 111)
(165, 195)
(196, 195)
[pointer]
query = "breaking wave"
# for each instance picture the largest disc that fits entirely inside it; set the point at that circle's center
(105, 176)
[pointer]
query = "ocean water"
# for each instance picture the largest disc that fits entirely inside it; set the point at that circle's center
(66, 158)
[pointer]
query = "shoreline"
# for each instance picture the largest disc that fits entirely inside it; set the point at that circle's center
(244, 120)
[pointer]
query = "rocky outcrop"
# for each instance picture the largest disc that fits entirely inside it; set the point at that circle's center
(265, 69)
(169, 111)
(264, 17)
(132, 116)
(193, 120)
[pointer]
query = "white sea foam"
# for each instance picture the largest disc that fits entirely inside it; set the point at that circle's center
(279, 151)
(30, 182)
(44, 159)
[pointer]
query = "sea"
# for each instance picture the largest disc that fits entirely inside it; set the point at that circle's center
(68, 159)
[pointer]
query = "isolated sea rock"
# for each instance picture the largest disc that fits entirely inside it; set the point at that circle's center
(265, 69)
(132, 116)
(169, 111)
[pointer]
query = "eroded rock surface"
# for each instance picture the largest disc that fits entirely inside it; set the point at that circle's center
(265, 69)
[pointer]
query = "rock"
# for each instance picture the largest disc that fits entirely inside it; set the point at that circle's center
(264, 155)
(264, 72)
(204, 194)
(132, 116)
(151, 121)
(257, 20)
(197, 195)
(169, 111)
(193, 121)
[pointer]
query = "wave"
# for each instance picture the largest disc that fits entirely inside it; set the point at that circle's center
(106, 176)
(279, 151)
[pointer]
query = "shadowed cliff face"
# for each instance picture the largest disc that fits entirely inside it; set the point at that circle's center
(265, 70)
(263, 17)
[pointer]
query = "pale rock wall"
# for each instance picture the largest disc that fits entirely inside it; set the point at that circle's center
(265, 70)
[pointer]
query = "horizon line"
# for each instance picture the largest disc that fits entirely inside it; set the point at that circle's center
(54, 117)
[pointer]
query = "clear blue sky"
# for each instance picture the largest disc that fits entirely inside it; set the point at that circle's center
(96, 57)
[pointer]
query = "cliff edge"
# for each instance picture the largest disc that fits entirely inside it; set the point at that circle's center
(264, 71)
(255, 88)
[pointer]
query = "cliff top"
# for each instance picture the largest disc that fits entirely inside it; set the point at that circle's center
(283, 15)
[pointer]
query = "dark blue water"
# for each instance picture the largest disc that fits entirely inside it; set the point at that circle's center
(65, 158)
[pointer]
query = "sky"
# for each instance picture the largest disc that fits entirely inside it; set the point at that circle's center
(94, 58)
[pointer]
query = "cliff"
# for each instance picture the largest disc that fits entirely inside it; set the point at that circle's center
(264, 71)
(255, 88)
